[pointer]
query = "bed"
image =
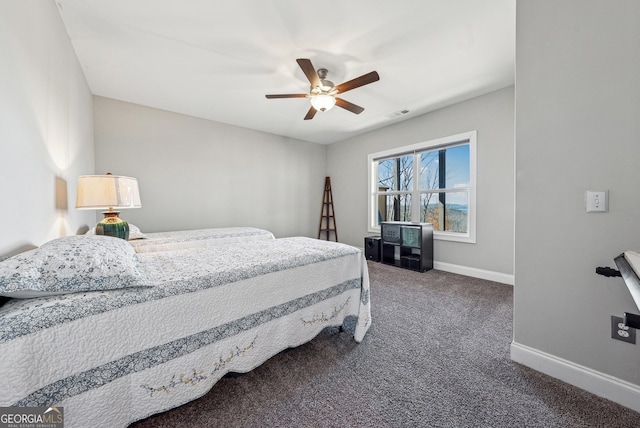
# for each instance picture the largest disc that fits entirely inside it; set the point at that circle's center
(629, 265)
(185, 318)
(173, 240)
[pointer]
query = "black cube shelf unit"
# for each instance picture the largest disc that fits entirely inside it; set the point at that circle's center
(407, 244)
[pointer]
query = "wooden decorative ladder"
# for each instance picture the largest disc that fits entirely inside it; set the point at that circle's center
(327, 214)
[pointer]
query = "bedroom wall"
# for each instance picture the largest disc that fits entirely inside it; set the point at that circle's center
(492, 116)
(577, 129)
(195, 173)
(46, 131)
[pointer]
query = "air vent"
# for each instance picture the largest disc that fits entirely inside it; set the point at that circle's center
(397, 114)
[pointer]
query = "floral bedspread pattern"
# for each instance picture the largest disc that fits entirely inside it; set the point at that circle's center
(175, 240)
(72, 264)
(134, 352)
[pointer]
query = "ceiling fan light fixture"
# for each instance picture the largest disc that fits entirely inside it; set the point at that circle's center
(323, 102)
(322, 92)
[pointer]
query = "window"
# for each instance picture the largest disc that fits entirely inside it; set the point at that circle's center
(431, 182)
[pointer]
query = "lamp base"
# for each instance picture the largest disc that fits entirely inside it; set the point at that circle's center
(112, 225)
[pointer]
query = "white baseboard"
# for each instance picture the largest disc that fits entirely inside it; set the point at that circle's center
(489, 275)
(503, 278)
(600, 384)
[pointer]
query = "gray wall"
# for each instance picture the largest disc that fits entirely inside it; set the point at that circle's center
(45, 126)
(492, 116)
(577, 129)
(194, 173)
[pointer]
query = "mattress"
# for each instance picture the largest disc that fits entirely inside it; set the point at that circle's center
(633, 258)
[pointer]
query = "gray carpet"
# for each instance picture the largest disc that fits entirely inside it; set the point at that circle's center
(437, 355)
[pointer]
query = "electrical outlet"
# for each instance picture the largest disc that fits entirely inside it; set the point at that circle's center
(619, 331)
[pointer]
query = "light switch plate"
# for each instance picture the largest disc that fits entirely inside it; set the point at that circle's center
(597, 201)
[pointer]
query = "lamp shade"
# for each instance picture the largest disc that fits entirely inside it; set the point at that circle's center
(107, 191)
(323, 102)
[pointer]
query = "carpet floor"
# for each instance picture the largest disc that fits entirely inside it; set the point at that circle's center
(436, 355)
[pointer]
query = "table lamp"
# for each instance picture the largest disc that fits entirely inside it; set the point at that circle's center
(109, 192)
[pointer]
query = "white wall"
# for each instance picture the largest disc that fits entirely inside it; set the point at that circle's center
(492, 116)
(46, 126)
(195, 173)
(577, 129)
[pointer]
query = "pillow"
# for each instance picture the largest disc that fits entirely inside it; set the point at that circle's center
(134, 232)
(72, 264)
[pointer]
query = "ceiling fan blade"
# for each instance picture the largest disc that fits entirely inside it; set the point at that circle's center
(312, 112)
(365, 79)
(349, 106)
(287, 96)
(309, 71)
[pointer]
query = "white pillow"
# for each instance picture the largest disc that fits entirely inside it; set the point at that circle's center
(134, 232)
(72, 264)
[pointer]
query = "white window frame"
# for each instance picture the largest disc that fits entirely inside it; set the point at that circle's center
(469, 138)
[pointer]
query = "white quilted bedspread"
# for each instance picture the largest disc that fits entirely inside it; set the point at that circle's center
(175, 240)
(122, 355)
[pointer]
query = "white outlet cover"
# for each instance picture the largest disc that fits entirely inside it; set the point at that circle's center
(597, 201)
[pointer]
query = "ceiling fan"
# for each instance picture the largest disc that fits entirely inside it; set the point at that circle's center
(323, 92)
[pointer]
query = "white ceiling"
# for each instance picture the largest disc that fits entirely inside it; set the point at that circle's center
(217, 59)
